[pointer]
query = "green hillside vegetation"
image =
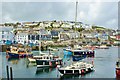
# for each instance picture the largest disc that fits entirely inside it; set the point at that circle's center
(98, 27)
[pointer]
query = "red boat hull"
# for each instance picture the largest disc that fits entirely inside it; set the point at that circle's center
(117, 72)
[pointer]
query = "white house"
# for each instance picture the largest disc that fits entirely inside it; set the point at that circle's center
(21, 38)
(86, 26)
(66, 25)
(30, 23)
(56, 24)
(6, 33)
(67, 35)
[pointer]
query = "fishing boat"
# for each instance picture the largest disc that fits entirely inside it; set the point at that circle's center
(18, 52)
(41, 54)
(48, 60)
(81, 54)
(76, 68)
(118, 69)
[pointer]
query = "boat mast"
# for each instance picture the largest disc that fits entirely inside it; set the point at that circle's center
(75, 18)
(76, 14)
(39, 42)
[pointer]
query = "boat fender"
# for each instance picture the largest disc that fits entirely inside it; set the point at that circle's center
(82, 71)
(92, 63)
(79, 71)
(64, 71)
(56, 63)
(50, 63)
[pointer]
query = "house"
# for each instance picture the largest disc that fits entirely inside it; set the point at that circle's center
(22, 37)
(89, 35)
(46, 24)
(33, 38)
(117, 36)
(67, 35)
(45, 35)
(73, 34)
(55, 33)
(63, 37)
(6, 34)
(87, 26)
(66, 25)
(55, 24)
(30, 23)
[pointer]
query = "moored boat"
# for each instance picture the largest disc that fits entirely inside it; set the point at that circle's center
(81, 54)
(18, 52)
(48, 60)
(33, 59)
(76, 68)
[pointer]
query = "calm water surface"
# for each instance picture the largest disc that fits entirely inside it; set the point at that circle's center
(104, 62)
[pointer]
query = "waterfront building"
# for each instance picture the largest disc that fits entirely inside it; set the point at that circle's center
(33, 38)
(21, 37)
(6, 34)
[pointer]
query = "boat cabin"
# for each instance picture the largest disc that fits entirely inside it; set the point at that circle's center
(44, 57)
(82, 52)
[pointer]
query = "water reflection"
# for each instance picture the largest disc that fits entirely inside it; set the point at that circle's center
(70, 76)
(77, 76)
(43, 70)
(13, 60)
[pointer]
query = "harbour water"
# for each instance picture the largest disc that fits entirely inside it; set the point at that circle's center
(104, 62)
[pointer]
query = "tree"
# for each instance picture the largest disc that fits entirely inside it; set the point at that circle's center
(51, 24)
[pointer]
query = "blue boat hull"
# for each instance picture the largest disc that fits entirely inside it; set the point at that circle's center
(19, 55)
(77, 58)
(13, 55)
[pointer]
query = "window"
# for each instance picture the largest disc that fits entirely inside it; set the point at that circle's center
(2, 36)
(2, 32)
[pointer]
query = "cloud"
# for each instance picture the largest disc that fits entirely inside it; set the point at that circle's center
(99, 13)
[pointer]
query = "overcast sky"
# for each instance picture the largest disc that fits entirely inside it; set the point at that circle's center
(98, 13)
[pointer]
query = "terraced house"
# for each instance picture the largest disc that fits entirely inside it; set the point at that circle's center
(6, 35)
